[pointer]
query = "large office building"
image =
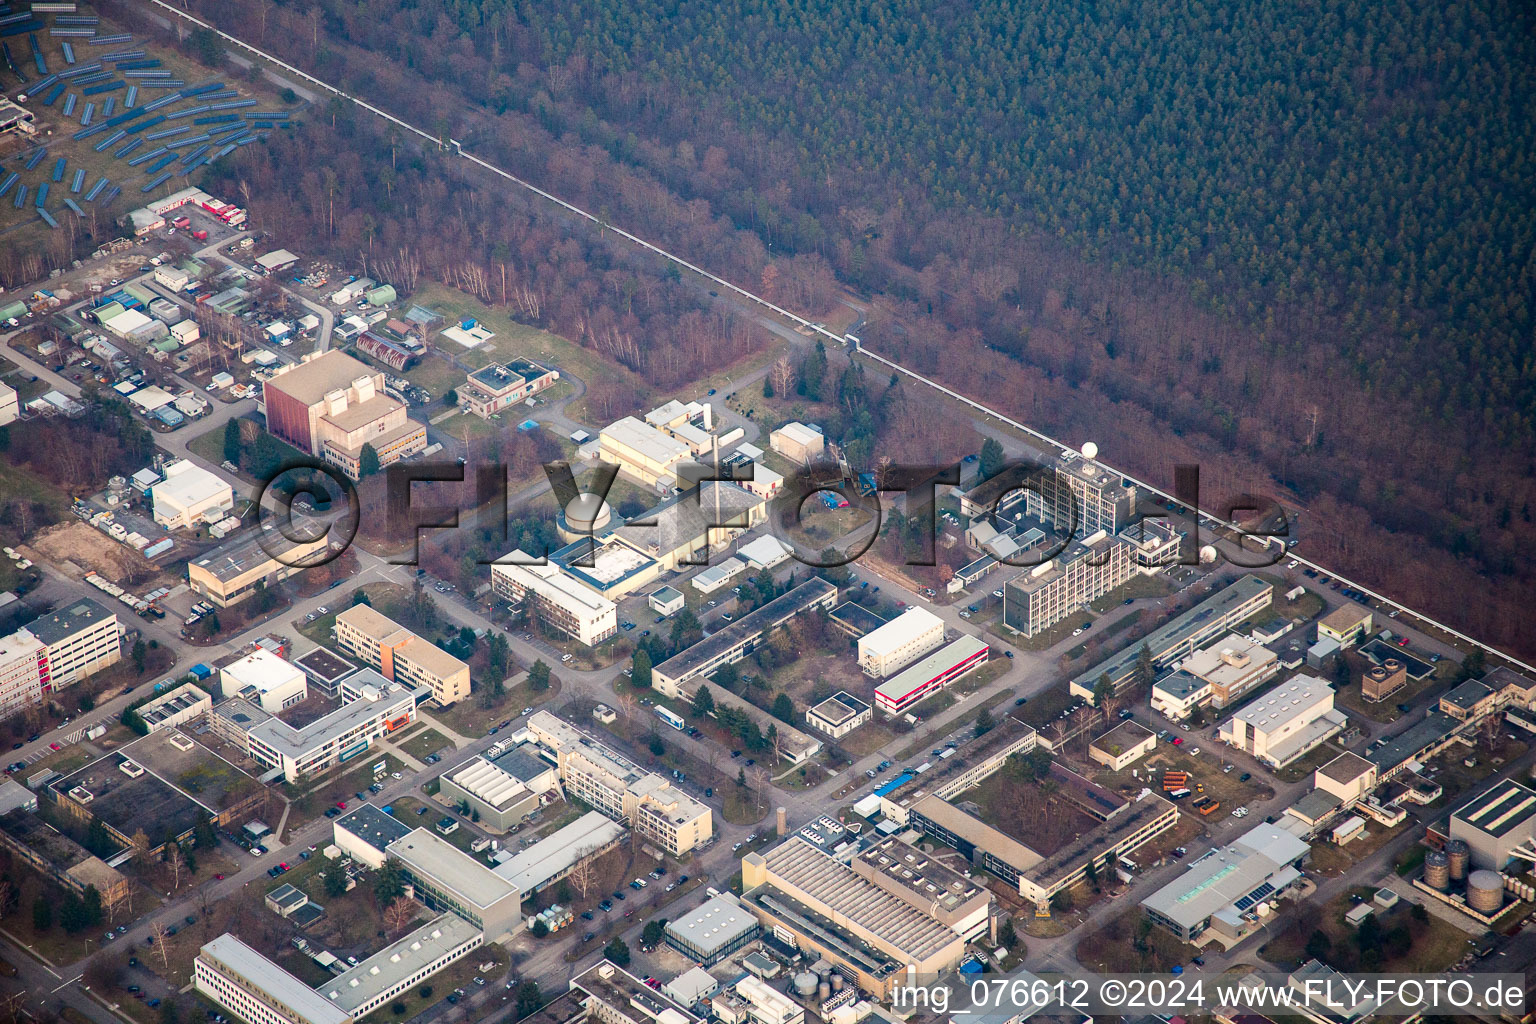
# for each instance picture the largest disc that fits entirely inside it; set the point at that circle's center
(492, 388)
(190, 495)
(82, 639)
(447, 878)
(741, 637)
(331, 406)
(23, 666)
(900, 642)
(1070, 493)
(255, 989)
(558, 599)
(603, 778)
(1286, 723)
(931, 674)
(1232, 667)
(261, 677)
(1222, 890)
(1078, 575)
(920, 880)
(397, 653)
(365, 832)
(372, 707)
(828, 909)
(259, 558)
(1180, 638)
(1499, 826)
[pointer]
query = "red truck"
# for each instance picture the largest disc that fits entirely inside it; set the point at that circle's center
(181, 222)
(200, 235)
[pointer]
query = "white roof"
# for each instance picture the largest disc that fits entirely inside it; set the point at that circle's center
(767, 550)
(557, 853)
(801, 434)
(128, 321)
(272, 982)
(400, 960)
(1284, 703)
(647, 440)
(187, 484)
(488, 782)
(151, 398)
(276, 259)
(261, 669)
(277, 327)
(890, 637)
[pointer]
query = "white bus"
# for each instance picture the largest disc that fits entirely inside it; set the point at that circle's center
(669, 717)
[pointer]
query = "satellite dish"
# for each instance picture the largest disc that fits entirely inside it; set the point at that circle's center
(1090, 450)
(1208, 554)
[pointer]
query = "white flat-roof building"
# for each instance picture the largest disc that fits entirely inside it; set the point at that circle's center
(559, 599)
(450, 879)
(10, 406)
(256, 990)
(406, 962)
(372, 707)
(1233, 666)
(766, 551)
(839, 714)
(189, 495)
(930, 674)
(558, 854)
(900, 642)
(717, 576)
(1222, 889)
(266, 680)
(1286, 723)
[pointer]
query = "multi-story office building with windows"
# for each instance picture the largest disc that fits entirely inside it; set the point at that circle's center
(606, 780)
(1183, 636)
(82, 640)
(256, 990)
(400, 654)
(233, 572)
(558, 599)
(372, 707)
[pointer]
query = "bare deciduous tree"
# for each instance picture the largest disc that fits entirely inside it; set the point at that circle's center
(584, 875)
(399, 914)
(116, 898)
(159, 944)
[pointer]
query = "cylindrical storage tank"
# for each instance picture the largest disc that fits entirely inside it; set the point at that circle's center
(1485, 891)
(782, 815)
(824, 991)
(805, 983)
(837, 982)
(1458, 853)
(1437, 870)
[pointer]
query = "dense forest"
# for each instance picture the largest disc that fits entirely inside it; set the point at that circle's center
(1293, 244)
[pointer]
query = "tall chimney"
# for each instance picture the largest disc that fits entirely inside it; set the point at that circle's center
(783, 822)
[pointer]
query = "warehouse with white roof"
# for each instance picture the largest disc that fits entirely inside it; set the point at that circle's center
(190, 495)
